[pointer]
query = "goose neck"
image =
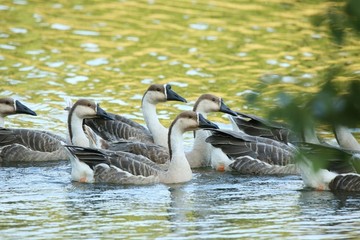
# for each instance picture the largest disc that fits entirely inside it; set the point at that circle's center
(345, 138)
(76, 133)
(158, 131)
(179, 169)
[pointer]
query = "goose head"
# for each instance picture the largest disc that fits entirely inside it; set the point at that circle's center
(207, 103)
(9, 106)
(190, 121)
(85, 108)
(157, 93)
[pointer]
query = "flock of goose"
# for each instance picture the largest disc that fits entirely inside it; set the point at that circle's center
(109, 148)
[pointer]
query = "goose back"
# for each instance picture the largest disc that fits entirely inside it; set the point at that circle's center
(119, 130)
(252, 166)
(24, 145)
(111, 174)
(131, 163)
(20, 153)
(345, 182)
(34, 139)
(156, 153)
(237, 144)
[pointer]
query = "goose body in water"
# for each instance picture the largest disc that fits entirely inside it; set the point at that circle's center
(91, 165)
(124, 129)
(28, 145)
(332, 168)
(255, 155)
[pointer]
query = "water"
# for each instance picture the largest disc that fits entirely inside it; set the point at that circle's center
(111, 51)
(42, 203)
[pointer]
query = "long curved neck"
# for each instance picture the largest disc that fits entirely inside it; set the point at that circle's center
(179, 169)
(76, 132)
(159, 132)
(345, 138)
(199, 155)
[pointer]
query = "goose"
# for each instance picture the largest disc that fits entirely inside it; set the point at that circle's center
(122, 128)
(339, 166)
(330, 168)
(255, 155)
(201, 154)
(29, 145)
(95, 165)
(10, 106)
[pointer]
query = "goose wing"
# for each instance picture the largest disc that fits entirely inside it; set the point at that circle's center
(104, 173)
(257, 126)
(345, 182)
(332, 158)
(116, 130)
(129, 122)
(19, 153)
(33, 139)
(131, 163)
(154, 152)
(251, 166)
(237, 144)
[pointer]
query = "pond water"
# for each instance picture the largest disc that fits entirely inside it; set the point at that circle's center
(111, 51)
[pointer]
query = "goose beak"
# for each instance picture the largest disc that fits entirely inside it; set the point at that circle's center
(171, 95)
(102, 114)
(21, 108)
(226, 109)
(204, 123)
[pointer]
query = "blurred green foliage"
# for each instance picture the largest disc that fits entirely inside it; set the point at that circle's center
(340, 17)
(336, 102)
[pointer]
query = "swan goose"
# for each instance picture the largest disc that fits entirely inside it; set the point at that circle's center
(254, 155)
(339, 166)
(124, 129)
(258, 146)
(28, 145)
(91, 165)
(204, 154)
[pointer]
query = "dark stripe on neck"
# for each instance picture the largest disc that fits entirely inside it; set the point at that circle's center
(71, 112)
(169, 134)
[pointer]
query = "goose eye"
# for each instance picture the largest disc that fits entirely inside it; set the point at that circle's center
(89, 105)
(213, 99)
(7, 102)
(158, 89)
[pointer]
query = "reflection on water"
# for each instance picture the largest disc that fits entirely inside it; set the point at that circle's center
(111, 51)
(42, 202)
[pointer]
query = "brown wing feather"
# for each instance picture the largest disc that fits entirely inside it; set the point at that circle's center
(155, 153)
(236, 144)
(117, 130)
(348, 182)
